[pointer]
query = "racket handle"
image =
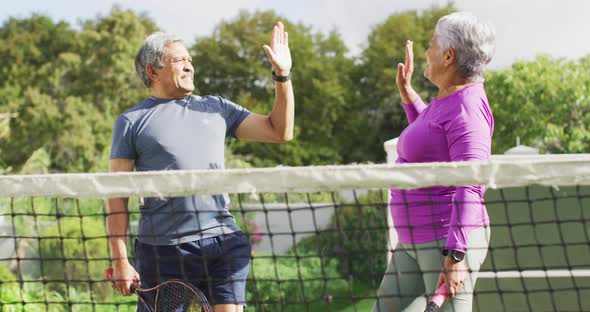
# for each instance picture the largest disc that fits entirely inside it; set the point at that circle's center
(438, 299)
(432, 307)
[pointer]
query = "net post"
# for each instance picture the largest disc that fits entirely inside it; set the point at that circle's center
(390, 148)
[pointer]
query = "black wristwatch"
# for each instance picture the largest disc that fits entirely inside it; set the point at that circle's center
(280, 78)
(455, 255)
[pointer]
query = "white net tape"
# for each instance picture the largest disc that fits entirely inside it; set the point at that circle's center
(500, 172)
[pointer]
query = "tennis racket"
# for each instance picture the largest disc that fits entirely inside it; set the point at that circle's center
(438, 299)
(170, 296)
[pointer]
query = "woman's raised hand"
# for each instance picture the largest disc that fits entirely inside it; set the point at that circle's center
(405, 71)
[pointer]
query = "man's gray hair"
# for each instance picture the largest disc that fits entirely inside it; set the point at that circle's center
(474, 42)
(152, 52)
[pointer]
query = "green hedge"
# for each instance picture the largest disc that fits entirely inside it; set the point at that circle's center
(290, 281)
(356, 238)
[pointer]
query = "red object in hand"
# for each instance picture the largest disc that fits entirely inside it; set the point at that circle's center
(438, 299)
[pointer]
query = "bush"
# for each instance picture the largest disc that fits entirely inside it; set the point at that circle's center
(356, 238)
(6, 275)
(291, 281)
(15, 297)
(74, 254)
(34, 297)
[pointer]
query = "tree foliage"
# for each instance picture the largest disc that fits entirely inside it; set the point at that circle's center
(63, 88)
(68, 86)
(232, 63)
(545, 102)
(375, 109)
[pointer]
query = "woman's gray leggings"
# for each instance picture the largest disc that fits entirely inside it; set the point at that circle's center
(412, 275)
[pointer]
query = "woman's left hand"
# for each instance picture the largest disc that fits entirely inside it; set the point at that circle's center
(453, 274)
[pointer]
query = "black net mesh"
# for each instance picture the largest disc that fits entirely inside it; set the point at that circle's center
(324, 251)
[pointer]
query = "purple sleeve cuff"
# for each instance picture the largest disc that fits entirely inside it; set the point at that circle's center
(414, 109)
(455, 245)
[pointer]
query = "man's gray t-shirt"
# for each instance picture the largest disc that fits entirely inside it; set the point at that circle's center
(179, 134)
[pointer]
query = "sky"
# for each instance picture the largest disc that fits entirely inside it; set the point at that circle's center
(525, 28)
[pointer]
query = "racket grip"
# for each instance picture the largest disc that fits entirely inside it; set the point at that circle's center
(438, 299)
(108, 273)
(432, 307)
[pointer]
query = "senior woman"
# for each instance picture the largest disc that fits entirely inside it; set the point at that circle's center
(443, 232)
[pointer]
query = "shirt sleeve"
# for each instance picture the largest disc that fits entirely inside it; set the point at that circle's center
(414, 109)
(123, 140)
(233, 114)
(469, 138)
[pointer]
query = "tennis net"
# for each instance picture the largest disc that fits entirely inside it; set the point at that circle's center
(321, 235)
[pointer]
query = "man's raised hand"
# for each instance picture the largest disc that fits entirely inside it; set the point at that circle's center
(278, 52)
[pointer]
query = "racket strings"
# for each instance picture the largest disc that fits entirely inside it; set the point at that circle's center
(176, 297)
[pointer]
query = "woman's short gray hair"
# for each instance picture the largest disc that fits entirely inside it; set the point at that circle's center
(152, 52)
(474, 42)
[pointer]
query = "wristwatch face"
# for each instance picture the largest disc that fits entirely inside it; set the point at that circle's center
(457, 256)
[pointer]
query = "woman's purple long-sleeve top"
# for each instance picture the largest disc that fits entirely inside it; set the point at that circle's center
(458, 127)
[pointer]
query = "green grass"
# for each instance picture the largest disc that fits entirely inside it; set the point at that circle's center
(363, 305)
(350, 299)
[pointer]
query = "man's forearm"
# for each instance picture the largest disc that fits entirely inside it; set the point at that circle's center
(283, 112)
(117, 220)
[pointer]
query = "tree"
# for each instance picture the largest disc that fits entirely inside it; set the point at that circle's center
(25, 46)
(70, 87)
(376, 114)
(72, 253)
(232, 63)
(544, 102)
